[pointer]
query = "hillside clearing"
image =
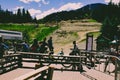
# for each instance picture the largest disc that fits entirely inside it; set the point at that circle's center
(70, 31)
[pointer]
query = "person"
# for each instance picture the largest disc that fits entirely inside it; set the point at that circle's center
(40, 48)
(44, 46)
(15, 46)
(6, 49)
(61, 53)
(34, 47)
(50, 44)
(76, 51)
(1, 47)
(25, 47)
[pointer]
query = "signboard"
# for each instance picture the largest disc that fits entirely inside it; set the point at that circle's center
(89, 42)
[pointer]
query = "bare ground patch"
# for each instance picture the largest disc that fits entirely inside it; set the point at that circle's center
(70, 31)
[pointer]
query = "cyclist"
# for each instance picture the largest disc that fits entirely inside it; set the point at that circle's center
(76, 51)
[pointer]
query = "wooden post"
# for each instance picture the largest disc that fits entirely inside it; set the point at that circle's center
(20, 61)
(2, 66)
(86, 58)
(115, 69)
(117, 72)
(50, 73)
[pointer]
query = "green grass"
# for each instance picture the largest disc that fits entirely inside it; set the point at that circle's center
(29, 30)
(73, 34)
(16, 27)
(83, 40)
(95, 34)
(91, 20)
(45, 31)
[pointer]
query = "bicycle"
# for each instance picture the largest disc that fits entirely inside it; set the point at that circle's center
(69, 60)
(66, 61)
(51, 57)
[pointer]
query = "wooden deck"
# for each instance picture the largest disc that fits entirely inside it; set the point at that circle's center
(60, 74)
(89, 74)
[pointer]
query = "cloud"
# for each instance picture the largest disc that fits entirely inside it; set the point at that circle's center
(45, 2)
(34, 12)
(66, 7)
(70, 6)
(18, 7)
(28, 1)
(45, 13)
(114, 1)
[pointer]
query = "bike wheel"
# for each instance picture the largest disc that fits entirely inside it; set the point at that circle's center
(46, 61)
(66, 62)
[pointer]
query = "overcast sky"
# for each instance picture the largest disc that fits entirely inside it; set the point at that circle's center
(41, 8)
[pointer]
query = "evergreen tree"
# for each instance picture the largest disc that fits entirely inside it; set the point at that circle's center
(28, 16)
(19, 16)
(24, 15)
(109, 28)
(35, 20)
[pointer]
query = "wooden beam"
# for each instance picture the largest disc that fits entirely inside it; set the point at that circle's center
(33, 73)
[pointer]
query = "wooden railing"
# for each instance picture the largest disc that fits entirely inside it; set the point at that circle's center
(39, 56)
(105, 60)
(46, 59)
(43, 73)
(10, 62)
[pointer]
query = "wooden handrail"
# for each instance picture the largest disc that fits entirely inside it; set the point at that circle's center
(36, 72)
(42, 54)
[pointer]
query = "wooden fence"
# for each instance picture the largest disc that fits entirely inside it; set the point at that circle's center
(10, 62)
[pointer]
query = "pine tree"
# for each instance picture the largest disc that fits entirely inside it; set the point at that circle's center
(19, 16)
(28, 16)
(109, 28)
(35, 20)
(23, 15)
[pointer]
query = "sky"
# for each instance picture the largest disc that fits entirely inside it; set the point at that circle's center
(41, 8)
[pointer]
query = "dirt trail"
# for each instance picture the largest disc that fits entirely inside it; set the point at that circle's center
(63, 38)
(67, 46)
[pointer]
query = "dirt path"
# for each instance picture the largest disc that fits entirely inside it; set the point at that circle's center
(67, 46)
(66, 34)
